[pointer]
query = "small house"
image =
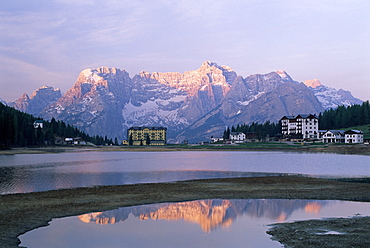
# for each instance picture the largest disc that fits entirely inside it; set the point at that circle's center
(237, 137)
(333, 136)
(216, 139)
(38, 124)
(354, 136)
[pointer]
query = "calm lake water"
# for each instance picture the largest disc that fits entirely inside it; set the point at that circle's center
(207, 223)
(40, 172)
(204, 223)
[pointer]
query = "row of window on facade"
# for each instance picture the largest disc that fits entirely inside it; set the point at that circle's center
(300, 128)
(146, 136)
(306, 127)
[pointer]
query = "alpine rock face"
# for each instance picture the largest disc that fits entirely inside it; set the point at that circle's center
(257, 98)
(330, 97)
(39, 100)
(107, 101)
(95, 102)
(193, 105)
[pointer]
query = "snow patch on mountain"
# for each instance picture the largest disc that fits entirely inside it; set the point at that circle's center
(330, 97)
(284, 75)
(253, 98)
(154, 112)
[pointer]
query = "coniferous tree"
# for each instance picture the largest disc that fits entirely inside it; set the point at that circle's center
(343, 117)
(16, 129)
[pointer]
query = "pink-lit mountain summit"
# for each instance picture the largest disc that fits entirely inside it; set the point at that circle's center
(193, 105)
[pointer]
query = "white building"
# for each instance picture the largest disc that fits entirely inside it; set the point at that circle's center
(354, 136)
(300, 127)
(216, 139)
(237, 137)
(38, 124)
(333, 136)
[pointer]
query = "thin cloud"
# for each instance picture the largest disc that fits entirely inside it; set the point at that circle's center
(66, 36)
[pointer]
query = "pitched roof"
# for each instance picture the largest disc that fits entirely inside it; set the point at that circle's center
(303, 116)
(336, 132)
(353, 132)
(236, 133)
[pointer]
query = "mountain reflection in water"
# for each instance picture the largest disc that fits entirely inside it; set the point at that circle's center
(208, 214)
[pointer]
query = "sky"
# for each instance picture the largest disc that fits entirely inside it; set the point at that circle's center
(49, 42)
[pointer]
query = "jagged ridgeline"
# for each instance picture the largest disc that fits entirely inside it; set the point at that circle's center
(193, 105)
(17, 129)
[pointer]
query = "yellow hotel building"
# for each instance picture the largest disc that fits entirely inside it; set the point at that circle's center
(153, 136)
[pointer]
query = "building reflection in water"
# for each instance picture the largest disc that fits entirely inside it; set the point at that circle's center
(208, 214)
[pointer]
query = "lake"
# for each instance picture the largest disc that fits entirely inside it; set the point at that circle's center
(204, 223)
(39, 172)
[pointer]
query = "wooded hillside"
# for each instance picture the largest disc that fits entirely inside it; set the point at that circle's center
(17, 129)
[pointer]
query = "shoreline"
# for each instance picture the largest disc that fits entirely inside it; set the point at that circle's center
(355, 149)
(20, 213)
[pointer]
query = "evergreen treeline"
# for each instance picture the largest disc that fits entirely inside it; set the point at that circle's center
(343, 117)
(261, 130)
(16, 129)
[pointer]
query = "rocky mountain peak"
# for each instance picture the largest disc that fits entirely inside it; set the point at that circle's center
(97, 75)
(144, 74)
(284, 75)
(21, 103)
(40, 99)
(330, 97)
(208, 64)
(46, 90)
(193, 105)
(313, 83)
(24, 97)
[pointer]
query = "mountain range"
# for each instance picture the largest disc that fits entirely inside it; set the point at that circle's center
(193, 105)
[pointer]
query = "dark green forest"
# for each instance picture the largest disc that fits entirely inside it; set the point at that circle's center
(16, 129)
(341, 117)
(261, 130)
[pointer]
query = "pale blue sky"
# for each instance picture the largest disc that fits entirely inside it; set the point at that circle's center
(48, 42)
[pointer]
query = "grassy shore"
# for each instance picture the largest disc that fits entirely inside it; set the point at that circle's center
(20, 213)
(256, 146)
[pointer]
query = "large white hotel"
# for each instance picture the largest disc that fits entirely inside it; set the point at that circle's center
(300, 127)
